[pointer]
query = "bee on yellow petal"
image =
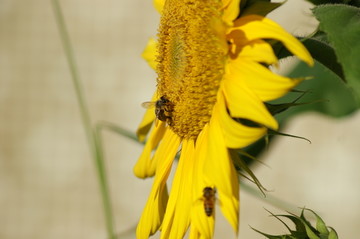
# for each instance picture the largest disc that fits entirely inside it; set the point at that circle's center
(209, 200)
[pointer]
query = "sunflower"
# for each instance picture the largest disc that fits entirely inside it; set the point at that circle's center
(213, 78)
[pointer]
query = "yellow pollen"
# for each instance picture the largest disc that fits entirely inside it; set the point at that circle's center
(191, 59)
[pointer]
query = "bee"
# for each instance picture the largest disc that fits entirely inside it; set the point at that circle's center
(209, 200)
(163, 108)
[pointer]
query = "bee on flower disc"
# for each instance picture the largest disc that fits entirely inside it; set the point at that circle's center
(163, 108)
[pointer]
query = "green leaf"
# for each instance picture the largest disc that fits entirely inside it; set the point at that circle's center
(348, 2)
(320, 36)
(258, 7)
(319, 49)
(319, 2)
(341, 23)
(331, 96)
(324, 54)
(355, 3)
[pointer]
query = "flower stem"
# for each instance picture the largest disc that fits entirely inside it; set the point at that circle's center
(92, 135)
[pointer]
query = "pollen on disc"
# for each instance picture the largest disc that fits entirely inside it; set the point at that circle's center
(191, 62)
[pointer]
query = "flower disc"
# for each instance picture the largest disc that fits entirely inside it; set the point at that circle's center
(191, 59)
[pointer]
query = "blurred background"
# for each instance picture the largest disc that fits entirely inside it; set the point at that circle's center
(48, 180)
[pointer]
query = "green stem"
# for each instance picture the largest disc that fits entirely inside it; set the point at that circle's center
(102, 125)
(92, 136)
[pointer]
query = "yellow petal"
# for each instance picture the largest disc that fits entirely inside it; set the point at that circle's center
(149, 53)
(243, 102)
(229, 206)
(166, 153)
(200, 222)
(152, 215)
(257, 27)
(194, 233)
(235, 134)
(231, 11)
(264, 83)
(159, 5)
(258, 51)
(219, 169)
(145, 166)
(177, 217)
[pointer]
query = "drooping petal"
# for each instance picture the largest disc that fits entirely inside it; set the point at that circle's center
(244, 103)
(145, 166)
(154, 210)
(235, 134)
(257, 27)
(262, 82)
(149, 53)
(166, 152)
(201, 224)
(219, 169)
(177, 216)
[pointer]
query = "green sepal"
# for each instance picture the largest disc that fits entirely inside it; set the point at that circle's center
(320, 224)
(273, 236)
(341, 23)
(299, 226)
(241, 167)
(256, 149)
(310, 230)
(303, 228)
(333, 234)
(258, 7)
(275, 109)
(273, 132)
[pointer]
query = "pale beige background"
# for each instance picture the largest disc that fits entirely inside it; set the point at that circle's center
(48, 186)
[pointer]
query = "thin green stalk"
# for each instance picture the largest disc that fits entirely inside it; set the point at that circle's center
(116, 129)
(92, 136)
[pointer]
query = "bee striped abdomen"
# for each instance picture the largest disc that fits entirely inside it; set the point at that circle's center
(209, 200)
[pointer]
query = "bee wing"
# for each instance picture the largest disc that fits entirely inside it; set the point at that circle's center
(148, 104)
